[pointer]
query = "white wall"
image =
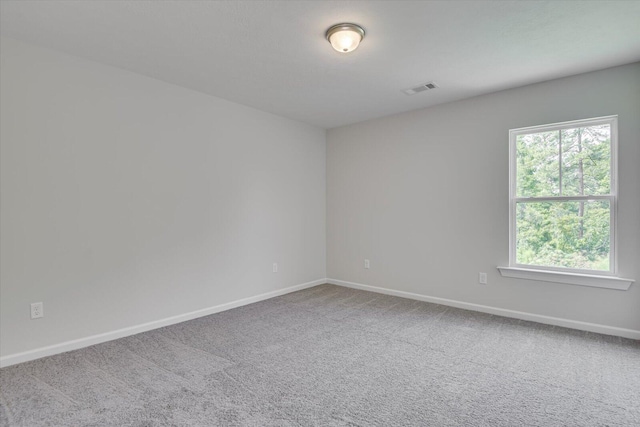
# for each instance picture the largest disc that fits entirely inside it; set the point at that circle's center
(126, 200)
(424, 196)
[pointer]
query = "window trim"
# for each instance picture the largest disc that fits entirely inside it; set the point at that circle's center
(559, 273)
(592, 280)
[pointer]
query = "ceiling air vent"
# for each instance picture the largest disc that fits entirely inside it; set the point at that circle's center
(421, 88)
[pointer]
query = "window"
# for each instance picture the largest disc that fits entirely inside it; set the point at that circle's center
(563, 196)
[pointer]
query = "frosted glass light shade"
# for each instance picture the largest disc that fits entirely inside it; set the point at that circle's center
(345, 37)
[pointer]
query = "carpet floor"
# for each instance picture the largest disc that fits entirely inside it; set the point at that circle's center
(331, 356)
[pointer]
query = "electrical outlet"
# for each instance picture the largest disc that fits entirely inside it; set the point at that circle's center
(482, 278)
(275, 267)
(367, 264)
(37, 310)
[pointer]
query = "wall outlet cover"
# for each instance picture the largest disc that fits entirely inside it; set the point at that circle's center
(37, 310)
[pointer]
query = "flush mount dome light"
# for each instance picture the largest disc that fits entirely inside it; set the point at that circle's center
(345, 37)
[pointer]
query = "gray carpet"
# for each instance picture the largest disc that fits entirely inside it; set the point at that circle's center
(330, 356)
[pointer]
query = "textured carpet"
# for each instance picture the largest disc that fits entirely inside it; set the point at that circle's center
(333, 356)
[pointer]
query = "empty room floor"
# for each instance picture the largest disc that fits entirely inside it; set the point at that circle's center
(334, 356)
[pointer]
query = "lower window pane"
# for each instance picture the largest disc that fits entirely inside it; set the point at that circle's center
(564, 234)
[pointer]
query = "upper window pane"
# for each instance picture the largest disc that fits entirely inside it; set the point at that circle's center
(586, 161)
(538, 164)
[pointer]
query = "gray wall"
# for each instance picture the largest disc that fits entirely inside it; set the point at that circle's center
(424, 196)
(126, 200)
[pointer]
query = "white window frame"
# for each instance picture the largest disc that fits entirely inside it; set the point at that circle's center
(598, 278)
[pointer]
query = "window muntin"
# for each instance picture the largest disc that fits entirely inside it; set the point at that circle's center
(563, 196)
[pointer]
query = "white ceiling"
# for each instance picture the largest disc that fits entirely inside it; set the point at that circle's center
(272, 55)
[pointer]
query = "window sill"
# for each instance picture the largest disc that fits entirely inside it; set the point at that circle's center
(608, 282)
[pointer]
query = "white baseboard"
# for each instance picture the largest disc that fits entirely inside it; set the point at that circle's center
(26, 356)
(557, 321)
(37, 353)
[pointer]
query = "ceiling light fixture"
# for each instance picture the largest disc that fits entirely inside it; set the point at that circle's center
(345, 37)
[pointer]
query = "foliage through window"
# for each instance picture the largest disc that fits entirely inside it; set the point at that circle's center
(563, 196)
